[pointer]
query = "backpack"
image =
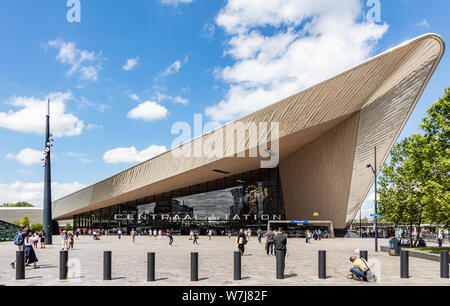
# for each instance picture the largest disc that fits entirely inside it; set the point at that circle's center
(18, 239)
(371, 278)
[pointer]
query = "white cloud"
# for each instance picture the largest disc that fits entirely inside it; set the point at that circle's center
(26, 172)
(148, 111)
(130, 64)
(131, 155)
(30, 117)
(27, 156)
(84, 102)
(175, 99)
(33, 192)
(87, 64)
(175, 66)
(91, 126)
(135, 97)
(423, 23)
(175, 2)
(308, 42)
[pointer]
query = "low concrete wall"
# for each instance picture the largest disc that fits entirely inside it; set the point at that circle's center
(417, 254)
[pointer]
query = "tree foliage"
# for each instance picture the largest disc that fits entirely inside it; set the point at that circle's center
(25, 221)
(36, 227)
(414, 185)
(18, 204)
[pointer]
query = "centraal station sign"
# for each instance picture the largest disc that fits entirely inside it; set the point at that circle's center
(187, 217)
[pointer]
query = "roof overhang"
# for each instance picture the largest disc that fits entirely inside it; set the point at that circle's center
(383, 89)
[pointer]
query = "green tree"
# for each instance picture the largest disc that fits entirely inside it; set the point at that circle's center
(414, 184)
(36, 227)
(18, 204)
(68, 227)
(436, 157)
(25, 221)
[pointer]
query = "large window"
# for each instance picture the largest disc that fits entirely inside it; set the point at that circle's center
(245, 200)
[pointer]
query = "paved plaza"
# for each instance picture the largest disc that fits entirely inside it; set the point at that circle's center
(215, 263)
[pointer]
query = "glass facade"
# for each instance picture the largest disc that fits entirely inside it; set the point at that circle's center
(245, 200)
(8, 231)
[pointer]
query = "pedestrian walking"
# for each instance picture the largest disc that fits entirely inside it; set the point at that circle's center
(440, 238)
(119, 234)
(154, 233)
(160, 234)
(270, 235)
(64, 240)
(133, 236)
(30, 255)
(280, 244)
(259, 233)
(19, 241)
(308, 236)
(210, 233)
(195, 237)
(42, 237)
(319, 234)
(229, 235)
(169, 234)
(241, 241)
(71, 241)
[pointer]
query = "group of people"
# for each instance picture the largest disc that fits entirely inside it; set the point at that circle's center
(156, 235)
(25, 240)
(67, 240)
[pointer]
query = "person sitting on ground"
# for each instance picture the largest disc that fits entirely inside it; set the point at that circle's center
(360, 270)
(421, 243)
(405, 242)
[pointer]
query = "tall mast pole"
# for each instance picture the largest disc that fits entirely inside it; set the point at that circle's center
(47, 218)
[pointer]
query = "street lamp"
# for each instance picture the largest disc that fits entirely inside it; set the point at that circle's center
(374, 170)
(47, 212)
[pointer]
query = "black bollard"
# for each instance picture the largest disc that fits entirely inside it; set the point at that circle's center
(63, 257)
(280, 264)
(322, 264)
(194, 266)
(107, 265)
(237, 265)
(444, 264)
(20, 265)
(363, 254)
(151, 267)
(404, 264)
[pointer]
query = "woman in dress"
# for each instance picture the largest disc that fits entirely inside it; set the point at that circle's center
(42, 236)
(30, 256)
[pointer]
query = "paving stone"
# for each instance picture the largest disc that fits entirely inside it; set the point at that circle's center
(215, 263)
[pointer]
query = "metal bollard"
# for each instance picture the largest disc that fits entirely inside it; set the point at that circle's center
(237, 265)
(322, 264)
(363, 254)
(404, 264)
(444, 264)
(280, 256)
(194, 266)
(20, 264)
(63, 258)
(107, 265)
(151, 267)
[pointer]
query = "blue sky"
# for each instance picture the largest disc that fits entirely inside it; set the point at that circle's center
(218, 58)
